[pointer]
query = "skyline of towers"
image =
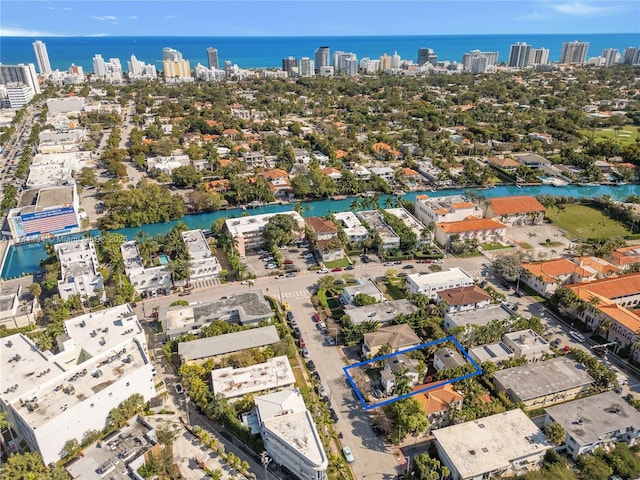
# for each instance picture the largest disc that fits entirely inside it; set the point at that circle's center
(574, 52)
(212, 58)
(20, 73)
(42, 57)
(631, 56)
(478, 62)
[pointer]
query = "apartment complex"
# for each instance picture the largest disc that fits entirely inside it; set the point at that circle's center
(431, 283)
(248, 230)
(55, 397)
(79, 274)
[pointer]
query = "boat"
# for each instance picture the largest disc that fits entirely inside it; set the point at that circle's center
(339, 197)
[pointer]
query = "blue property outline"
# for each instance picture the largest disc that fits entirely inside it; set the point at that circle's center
(439, 384)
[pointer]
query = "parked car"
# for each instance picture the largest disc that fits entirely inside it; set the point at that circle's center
(323, 270)
(271, 266)
(289, 315)
(179, 389)
(350, 267)
(291, 274)
(288, 262)
(280, 277)
(311, 366)
(556, 343)
(388, 264)
(348, 456)
(333, 414)
(403, 274)
(578, 337)
(408, 267)
(598, 350)
(337, 269)
(305, 352)
(316, 317)
(322, 391)
(322, 326)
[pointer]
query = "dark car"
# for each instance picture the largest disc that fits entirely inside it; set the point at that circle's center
(350, 267)
(296, 332)
(311, 366)
(333, 414)
(289, 315)
(408, 267)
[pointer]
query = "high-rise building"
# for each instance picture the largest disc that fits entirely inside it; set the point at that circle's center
(340, 60)
(169, 53)
(99, 65)
(212, 57)
(539, 56)
(427, 55)
(631, 56)
(385, 62)
(42, 57)
(290, 65)
(307, 67)
(574, 52)
(395, 60)
(20, 74)
(138, 70)
(176, 69)
(611, 56)
(519, 55)
(111, 71)
(322, 56)
(472, 63)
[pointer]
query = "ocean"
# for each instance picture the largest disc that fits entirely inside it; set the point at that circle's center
(268, 52)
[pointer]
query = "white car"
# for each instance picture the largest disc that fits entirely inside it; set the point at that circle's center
(578, 337)
(247, 282)
(280, 277)
(271, 266)
(324, 270)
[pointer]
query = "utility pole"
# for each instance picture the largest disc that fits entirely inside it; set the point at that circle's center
(264, 459)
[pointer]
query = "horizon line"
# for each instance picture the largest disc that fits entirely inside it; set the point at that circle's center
(99, 35)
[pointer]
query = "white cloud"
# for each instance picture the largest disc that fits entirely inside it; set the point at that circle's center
(104, 18)
(133, 18)
(168, 17)
(67, 9)
(583, 9)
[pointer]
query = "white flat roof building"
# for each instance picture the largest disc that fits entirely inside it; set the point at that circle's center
(290, 436)
(596, 421)
(65, 105)
(452, 208)
(146, 281)
(79, 273)
(58, 142)
(52, 398)
(412, 223)
(431, 283)
(203, 264)
(231, 382)
(376, 223)
(248, 230)
(55, 168)
(353, 228)
(505, 444)
(168, 164)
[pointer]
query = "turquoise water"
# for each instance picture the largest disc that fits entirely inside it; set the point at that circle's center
(25, 259)
(163, 259)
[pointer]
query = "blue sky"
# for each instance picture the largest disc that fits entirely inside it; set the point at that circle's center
(314, 18)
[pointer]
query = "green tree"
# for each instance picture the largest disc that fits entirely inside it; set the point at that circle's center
(29, 466)
(280, 230)
(555, 433)
(594, 467)
(70, 448)
(427, 468)
(362, 299)
(508, 266)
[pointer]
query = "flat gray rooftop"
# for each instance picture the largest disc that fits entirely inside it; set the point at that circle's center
(479, 316)
(589, 418)
(228, 343)
(543, 378)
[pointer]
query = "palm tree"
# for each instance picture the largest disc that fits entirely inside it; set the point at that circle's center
(338, 467)
(403, 383)
(355, 205)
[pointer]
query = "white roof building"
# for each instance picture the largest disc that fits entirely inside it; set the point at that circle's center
(167, 164)
(55, 168)
(289, 434)
(203, 264)
(353, 228)
(505, 444)
(412, 223)
(79, 273)
(146, 281)
(248, 230)
(452, 208)
(52, 398)
(376, 223)
(595, 421)
(58, 142)
(431, 283)
(231, 382)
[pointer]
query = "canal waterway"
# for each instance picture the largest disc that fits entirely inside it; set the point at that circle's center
(25, 259)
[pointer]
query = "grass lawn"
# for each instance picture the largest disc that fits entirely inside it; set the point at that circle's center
(343, 262)
(525, 245)
(624, 137)
(392, 289)
(586, 222)
(494, 246)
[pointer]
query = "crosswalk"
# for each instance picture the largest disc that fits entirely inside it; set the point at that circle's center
(205, 282)
(295, 294)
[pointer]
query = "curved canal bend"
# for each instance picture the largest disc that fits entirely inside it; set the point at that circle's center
(25, 259)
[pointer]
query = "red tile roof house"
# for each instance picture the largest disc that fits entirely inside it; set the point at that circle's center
(327, 243)
(612, 300)
(461, 299)
(483, 230)
(546, 277)
(516, 210)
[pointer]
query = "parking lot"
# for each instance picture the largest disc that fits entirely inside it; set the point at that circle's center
(295, 259)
